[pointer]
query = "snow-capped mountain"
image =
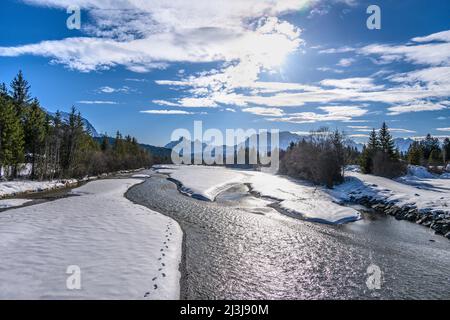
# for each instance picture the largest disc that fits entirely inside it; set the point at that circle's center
(403, 144)
(285, 139)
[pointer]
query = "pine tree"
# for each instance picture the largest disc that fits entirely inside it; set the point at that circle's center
(386, 142)
(369, 152)
(11, 137)
(35, 133)
(20, 93)
(435, 157)
(365, 161)
(3, 90)
(446, 150)
(373, 143)
(104, 146)
(415, 154)
(428, 145)
(72, 135)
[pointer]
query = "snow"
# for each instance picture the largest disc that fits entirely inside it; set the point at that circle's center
(419, 172)
(296, 197)
(120, 247)
(301, 198)
(10, 203)
(428, 194)
(11, 188)
(203, 182)
(141, 176)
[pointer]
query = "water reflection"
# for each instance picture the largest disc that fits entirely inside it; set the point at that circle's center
(233, 253)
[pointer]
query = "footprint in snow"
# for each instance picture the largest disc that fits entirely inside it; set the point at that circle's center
(164, 275)
(155, 286)
(154, 278)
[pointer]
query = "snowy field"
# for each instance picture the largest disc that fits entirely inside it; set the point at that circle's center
(303, 199)
(11, 188)
(123, 250)
(418, 189)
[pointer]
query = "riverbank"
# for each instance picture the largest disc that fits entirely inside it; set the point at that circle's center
(425, 201)
(124, 250)
(16, 193)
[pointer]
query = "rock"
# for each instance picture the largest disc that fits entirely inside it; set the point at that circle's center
(426, 223)
(447, 235)
(422, 219)
(378, 207)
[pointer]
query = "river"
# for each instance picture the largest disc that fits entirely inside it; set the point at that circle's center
(238, 248)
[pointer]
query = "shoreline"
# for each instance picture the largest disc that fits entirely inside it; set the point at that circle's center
(182, 266)
(439, 221)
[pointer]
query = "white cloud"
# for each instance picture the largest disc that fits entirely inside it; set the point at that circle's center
(401, 130)
(143, 35)
(423, 51)
(352, 83)
(440, 36)
(333, 113)
(338, 50)
(443, 129)
(96, 102)
(274, 112)
(358, 135)
(167, 112)
(107, 89)
(327, 69)
(345, 62)
(136, 80)
(359, 127)
(418, 106)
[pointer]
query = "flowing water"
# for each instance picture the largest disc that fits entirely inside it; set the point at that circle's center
(239, 248)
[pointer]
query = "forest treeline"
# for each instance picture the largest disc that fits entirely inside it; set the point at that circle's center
(322, 156)
(54, 146)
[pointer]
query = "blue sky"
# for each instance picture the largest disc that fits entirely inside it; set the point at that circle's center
(150, 67)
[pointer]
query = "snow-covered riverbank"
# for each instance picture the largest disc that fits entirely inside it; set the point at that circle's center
(18, 187)
(124, 251)
(417, 197)
(422, 193)
(297, 197)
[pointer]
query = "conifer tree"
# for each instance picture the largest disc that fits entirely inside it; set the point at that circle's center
(35, 132)
(373, 143)
(105, 143)
(11, 137)
(3, 90)
(415, 154)
(446, 150)
(20, 93)
(386, 142)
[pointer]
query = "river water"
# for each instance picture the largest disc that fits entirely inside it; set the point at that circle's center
(239, 248)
